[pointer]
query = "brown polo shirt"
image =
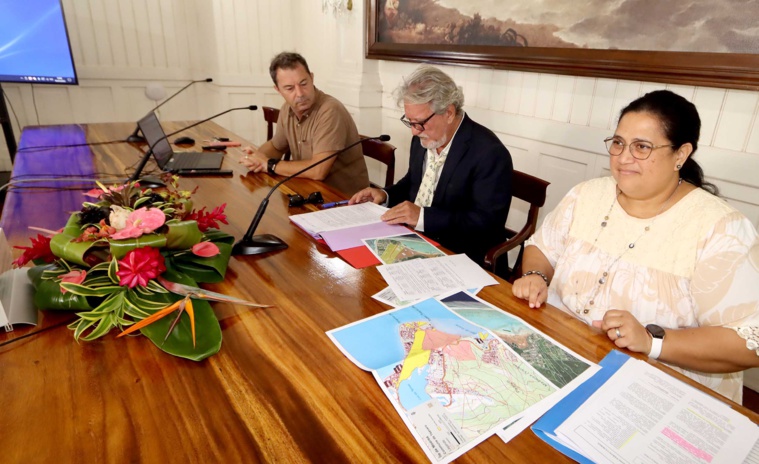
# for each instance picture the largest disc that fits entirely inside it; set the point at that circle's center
(326, 127)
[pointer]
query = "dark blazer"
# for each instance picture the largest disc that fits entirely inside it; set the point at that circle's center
(473, 195)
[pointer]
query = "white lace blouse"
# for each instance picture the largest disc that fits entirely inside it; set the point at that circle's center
(697, 265)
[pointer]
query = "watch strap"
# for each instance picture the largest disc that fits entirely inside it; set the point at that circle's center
(656, 345)
(271, 165)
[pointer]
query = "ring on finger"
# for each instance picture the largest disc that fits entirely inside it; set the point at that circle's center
(619, 335)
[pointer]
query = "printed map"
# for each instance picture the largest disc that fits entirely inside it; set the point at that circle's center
(453, 382)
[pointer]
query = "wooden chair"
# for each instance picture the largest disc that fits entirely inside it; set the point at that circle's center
(270, 116)
(532, 190)
(382, 152)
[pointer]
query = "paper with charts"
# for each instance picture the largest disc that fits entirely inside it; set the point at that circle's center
(454, 383)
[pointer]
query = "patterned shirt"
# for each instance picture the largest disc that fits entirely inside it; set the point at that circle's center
(697, 265)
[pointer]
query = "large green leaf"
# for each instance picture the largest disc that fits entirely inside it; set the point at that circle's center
(183, 235)
(62, 246)
(210, 270)
(179, 342)
(216, 236)
(47, 293)
(119, 248)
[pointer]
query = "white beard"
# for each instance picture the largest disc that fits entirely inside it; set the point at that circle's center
(433, 144)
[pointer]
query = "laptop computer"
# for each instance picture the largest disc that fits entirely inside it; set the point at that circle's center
(181, 162)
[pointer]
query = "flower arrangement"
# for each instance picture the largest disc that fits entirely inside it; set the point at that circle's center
(131, 257)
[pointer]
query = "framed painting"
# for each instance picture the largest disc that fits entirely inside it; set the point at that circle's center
(690, 42)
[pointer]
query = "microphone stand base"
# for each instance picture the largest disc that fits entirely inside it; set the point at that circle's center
(258, 244)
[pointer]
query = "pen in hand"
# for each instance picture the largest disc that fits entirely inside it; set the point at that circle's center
(335, 203)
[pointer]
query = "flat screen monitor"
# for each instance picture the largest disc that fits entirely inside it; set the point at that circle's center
(34, 43)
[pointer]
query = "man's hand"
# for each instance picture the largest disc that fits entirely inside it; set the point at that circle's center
(405, 213)
(254, 160)
(374, 195)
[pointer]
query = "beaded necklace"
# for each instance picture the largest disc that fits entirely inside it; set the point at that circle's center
(584, 309)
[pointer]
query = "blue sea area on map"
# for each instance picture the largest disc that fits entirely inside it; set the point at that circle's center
(411, 391)
(375, 342)
(495, 320)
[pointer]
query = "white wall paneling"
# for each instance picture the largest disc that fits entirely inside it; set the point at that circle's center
(554, 125)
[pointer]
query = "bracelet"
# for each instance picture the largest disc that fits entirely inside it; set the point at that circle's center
(536, 273)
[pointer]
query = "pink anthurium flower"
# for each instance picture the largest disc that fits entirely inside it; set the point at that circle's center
(74, 277)
(205, 249)
(141, 221)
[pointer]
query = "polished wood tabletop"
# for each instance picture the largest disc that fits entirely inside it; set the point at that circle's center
(278, 391)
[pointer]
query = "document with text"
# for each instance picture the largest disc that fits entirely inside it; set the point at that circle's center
(642, 414)
(339, 218)
(423, 278)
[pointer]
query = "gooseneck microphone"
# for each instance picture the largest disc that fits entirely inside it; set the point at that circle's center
(135, 136)
(254, 245)
(145, 158)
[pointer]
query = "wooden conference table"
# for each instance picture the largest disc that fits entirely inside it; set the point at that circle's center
(278, 391)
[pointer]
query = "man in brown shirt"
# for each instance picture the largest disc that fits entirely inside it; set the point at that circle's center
(311, 126)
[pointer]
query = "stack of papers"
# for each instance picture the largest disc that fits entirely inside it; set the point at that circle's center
(16, 291)
(350, 231)
(631, 412)
(344, 228)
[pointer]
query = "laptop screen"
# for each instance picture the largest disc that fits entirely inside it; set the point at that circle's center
(154, 135)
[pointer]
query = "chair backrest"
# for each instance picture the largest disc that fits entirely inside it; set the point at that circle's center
(532, 190)
(382, 152)
(270, 116)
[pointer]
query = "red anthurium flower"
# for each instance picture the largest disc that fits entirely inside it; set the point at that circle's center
(76, 277)
(209, 220)
(205, 249)
(139, 266)
(40, 250)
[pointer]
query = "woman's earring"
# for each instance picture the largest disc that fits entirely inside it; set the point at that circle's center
(678, 166)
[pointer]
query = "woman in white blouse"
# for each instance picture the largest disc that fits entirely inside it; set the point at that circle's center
(651, 255)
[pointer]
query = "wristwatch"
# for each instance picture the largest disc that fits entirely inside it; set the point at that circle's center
(271, 165)
(657, 340)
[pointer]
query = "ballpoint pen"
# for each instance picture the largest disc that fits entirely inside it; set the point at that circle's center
(335, 203)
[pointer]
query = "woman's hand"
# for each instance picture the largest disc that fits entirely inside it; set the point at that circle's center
(531, 288)
(625, 331)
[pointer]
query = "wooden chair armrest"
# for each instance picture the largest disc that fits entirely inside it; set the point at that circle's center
(507, 245)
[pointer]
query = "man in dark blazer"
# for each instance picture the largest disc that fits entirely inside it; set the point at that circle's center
(458, 187)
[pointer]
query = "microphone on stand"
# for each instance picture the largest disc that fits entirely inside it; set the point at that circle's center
(145, 158)
(135, 136)
(254, 245)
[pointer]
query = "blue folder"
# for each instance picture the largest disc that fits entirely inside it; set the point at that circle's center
(546, 427)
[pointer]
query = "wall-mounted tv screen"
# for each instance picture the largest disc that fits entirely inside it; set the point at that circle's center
(34, 43)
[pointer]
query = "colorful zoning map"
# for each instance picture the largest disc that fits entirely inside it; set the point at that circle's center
(453, 382)
(558, 365)
(399, 248)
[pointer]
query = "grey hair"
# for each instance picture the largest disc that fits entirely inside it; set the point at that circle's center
(430, 85)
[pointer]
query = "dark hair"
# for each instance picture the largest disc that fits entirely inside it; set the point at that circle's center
(286, 60)
(680, 123)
